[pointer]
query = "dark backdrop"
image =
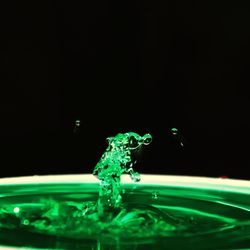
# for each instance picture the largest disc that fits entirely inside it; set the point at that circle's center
(145, 66)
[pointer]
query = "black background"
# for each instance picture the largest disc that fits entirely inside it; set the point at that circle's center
(145, 66)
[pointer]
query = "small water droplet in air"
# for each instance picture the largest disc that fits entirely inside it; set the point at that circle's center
(179, 137)
(78, 122)
(174, 131)
(155, 195)
(77, 126)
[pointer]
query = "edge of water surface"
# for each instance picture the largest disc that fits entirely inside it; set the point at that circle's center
(233, 185)
(212, 183)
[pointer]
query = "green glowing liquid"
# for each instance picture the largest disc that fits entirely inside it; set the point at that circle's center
(152, 217)
(116, 160)
(113, 215)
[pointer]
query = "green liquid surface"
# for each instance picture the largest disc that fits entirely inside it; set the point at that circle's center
(64, 216)
(115, 215)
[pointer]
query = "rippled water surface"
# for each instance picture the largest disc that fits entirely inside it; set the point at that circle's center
(62, 216)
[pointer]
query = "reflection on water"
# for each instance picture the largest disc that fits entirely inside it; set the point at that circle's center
(123, 216)
(151, 217)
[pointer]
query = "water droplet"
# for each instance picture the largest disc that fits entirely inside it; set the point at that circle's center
(26, 222)
(77, 126)
(16, 210)
(179, 137)
(174, 131)
(78, 122)
(192, 220)
(155, 195)
(135, 176)
(147, 139)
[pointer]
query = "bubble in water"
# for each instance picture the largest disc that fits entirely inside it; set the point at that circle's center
(155, 195)
(26, 222)
(192, 220)
(16, 210)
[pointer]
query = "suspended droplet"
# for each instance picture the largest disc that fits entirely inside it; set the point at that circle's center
(78, 122)
(174, 131)
(179, 137)
(134, 175)
(77, 126)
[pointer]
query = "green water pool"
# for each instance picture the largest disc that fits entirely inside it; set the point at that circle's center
(160, 212)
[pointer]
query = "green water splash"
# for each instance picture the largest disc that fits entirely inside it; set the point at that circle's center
(118, 158)
(105, 214)
(149, 214)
